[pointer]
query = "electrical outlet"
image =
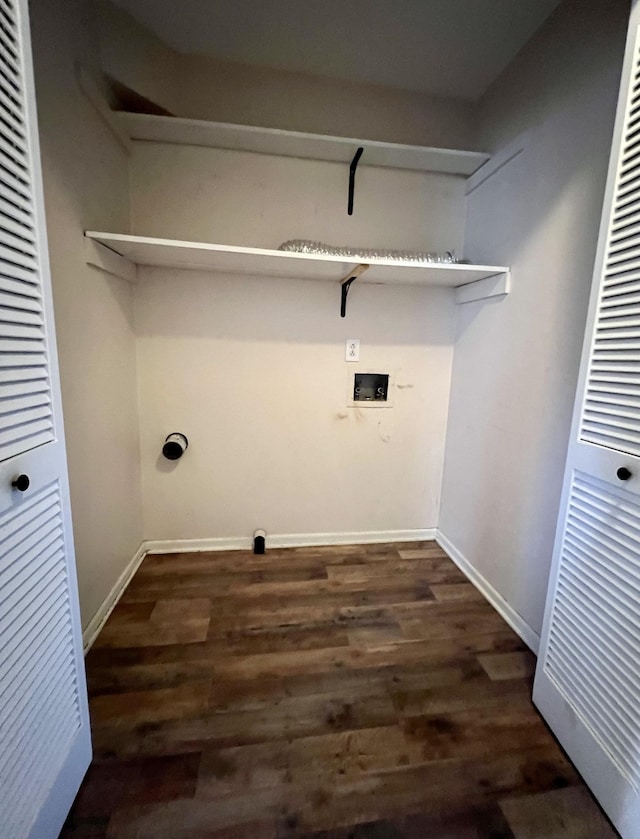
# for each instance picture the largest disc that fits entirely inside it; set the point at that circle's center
(352, 349)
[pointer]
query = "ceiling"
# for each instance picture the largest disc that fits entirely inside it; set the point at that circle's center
(444, 47)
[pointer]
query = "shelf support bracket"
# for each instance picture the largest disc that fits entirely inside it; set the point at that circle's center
(346, 285)
(352, 178)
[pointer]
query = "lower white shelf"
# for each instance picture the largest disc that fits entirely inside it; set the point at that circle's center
(119, 253)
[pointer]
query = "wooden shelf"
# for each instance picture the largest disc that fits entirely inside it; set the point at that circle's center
(119, 253)
(297, 144)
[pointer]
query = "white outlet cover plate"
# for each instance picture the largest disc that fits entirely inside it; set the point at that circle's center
(352, 349)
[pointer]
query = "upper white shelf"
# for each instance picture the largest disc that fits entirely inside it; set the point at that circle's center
(228, 259)
(298, 144)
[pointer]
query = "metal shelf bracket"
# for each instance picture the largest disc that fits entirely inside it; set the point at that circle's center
(345, 285)
(352, 178)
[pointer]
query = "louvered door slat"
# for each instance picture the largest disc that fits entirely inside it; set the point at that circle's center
(9, 362)
(586, 600)
(11, 282)
(44, 734)
(14, 377)
(618, 316)
(588, 674)
(8, 13)
(613, 353)
(13, 176)
(49, 589)
(31, 384)
(17, 257)
(28, 719)
(597, 709)
(19, 313)
(52, 589)
(619, 380)
(11, 121)
(18, 345)
(34, 401)
(41, 691)
(18, 243)
(9, 48)
(30, 438)
(22, 328)
(16, 151)
(13, 161)
(620, 235)
(10, 92)
(600, 411)
(16, 432)
(57, 697)
(624, 296)
(616, 401)
(16, 281)
(18, 230)
(607, 694)
(10, 75)
(9, 212)
(611, 569)
(20, 305)
(21, 580)
(583, 623)
(33, 634)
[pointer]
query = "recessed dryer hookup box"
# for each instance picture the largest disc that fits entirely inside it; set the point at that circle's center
(370, 387)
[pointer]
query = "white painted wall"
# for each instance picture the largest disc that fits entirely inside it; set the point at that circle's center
(241, 198)
(86, 186)
(133, 56)
(253, 370)
(229, 91)
(516, 360)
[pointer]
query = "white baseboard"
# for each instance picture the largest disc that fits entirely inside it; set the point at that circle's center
(367, 537)
(100, 618)
(170, 546)
(515, 620)
(290, 540)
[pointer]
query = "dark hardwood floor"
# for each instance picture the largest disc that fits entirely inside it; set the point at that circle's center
(359, 692)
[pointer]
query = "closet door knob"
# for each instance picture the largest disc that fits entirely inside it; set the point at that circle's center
(21, 483)
(623, 473)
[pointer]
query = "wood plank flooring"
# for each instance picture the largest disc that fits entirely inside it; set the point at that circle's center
(358, 692)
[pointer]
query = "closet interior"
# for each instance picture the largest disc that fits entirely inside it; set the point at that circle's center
(232, 242)
(172, 180)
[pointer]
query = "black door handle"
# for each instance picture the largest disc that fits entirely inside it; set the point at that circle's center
(21, 483)
(623, 473)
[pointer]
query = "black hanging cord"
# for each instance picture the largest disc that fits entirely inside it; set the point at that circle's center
(352, 179)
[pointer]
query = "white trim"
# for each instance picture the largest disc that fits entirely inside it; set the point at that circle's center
(196, 132)
(266, 262)
(497, 286)
(498, 162)
(99, 256)
(170, 546)
(290, 540)
(100, 618)
(515, 620)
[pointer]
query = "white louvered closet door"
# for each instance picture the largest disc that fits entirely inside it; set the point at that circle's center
(588, 676)
(45, 743)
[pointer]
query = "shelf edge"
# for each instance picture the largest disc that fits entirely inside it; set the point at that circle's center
(109, 261)
(498, 285)
(153, 128)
